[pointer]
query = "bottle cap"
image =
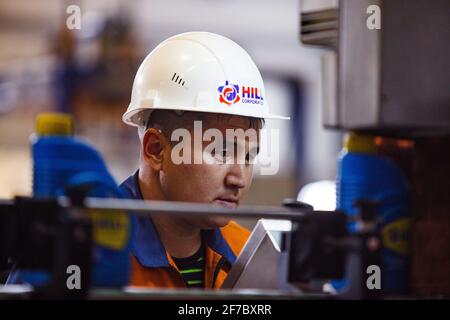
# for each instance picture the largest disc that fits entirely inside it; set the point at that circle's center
(354, 142)
(53, 123)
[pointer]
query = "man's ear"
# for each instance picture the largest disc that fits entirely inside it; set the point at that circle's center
(152, 148)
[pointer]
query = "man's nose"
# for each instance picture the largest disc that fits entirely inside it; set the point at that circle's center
(236, 176)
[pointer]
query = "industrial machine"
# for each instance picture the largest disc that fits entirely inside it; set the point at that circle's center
(385, 65)
(385, 77)
(52, 234)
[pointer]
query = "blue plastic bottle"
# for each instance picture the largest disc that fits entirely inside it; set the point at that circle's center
(362, 174)
(61, 161)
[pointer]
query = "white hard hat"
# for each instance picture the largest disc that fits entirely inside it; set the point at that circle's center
(198, 71)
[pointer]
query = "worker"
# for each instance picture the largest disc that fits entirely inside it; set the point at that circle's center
(189, 78)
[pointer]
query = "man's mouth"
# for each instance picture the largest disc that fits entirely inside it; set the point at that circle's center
(227, 202)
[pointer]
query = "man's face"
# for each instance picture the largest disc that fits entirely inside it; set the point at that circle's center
(222, 181)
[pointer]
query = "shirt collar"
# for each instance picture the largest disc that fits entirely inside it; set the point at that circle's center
(146, 245)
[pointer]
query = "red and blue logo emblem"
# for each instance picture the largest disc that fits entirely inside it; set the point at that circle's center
(229, 93)
(232, 93)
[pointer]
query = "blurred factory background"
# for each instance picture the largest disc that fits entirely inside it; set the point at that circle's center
(89, 73)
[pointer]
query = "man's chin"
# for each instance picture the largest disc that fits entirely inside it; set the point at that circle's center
(217, 222)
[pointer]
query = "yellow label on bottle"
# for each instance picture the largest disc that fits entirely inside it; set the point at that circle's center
(110, 228)
(395, 235)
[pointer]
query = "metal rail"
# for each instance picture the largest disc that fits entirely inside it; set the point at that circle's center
(145, 207)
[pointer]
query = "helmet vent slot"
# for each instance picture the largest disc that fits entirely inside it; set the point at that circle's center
(177, 79)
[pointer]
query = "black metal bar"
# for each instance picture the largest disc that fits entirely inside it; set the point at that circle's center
(183, 208)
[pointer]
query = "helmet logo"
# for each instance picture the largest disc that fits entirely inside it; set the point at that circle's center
(232, 93)
(229, 93)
